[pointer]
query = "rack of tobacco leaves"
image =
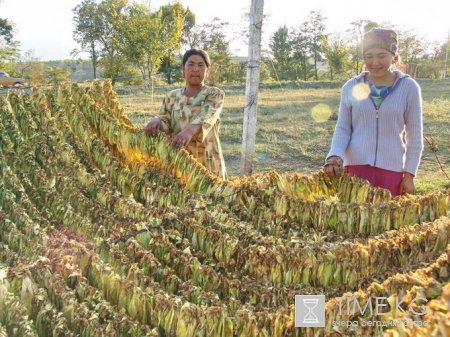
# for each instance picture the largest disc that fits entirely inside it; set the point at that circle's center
(107, 232)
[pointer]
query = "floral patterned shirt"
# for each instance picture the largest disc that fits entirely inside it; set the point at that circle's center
(178, 111)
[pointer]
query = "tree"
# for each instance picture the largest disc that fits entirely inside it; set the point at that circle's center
(264, 69)
(212, 38)
(281, 49)
(31, 68)
(280, 46)
(177, 22)
(6, 30)
(56, 75)
(9, 49)
(110, 12)
(412, 49)
(431, 64)
(140, 40)
(98, 26)
(443, 52)
(145, 37)
(354, 38)
(337, 54)
(316, 36)
(235, 72)
(88, 29)
(9, 53)
(189, 24)
(301, 52)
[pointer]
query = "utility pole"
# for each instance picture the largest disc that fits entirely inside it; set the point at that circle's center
(252, 86)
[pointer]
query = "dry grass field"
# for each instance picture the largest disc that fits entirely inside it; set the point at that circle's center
(294, 131)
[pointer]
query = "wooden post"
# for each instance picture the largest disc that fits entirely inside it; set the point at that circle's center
(251, 87)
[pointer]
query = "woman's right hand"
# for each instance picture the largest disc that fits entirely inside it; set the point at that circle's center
(153, 126)
(333, 167)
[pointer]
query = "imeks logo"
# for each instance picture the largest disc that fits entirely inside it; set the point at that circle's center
(310, 311)
(378, 305)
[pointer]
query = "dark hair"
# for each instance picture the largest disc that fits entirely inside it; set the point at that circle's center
(200, 52)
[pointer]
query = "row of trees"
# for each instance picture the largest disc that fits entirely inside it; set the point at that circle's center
(298, 54)
(130, 43)
(123, 37)
(121, 34)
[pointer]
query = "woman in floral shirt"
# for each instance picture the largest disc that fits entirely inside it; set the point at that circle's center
(192, 114)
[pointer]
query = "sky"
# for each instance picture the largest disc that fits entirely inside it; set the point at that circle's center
(45, 27)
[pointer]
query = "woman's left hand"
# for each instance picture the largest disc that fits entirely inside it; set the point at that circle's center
(407, 184)
(184, 137)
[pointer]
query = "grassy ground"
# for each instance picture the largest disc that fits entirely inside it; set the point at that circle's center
(294, 131)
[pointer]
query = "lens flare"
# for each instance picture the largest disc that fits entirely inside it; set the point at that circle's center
(321, 112)
(360, 91)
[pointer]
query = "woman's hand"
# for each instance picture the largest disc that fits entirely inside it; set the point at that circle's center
(407, 184)
(333, 167)
(153, 126)
(183, 138)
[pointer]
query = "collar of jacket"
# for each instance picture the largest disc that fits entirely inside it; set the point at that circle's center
(399, 75)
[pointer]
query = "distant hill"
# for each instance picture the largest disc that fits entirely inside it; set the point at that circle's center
(80, 70)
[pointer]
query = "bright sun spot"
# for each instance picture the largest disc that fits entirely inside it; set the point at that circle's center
(321, 112)
(360, 91)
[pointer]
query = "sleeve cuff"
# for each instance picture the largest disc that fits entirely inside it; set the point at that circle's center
(410, 169)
